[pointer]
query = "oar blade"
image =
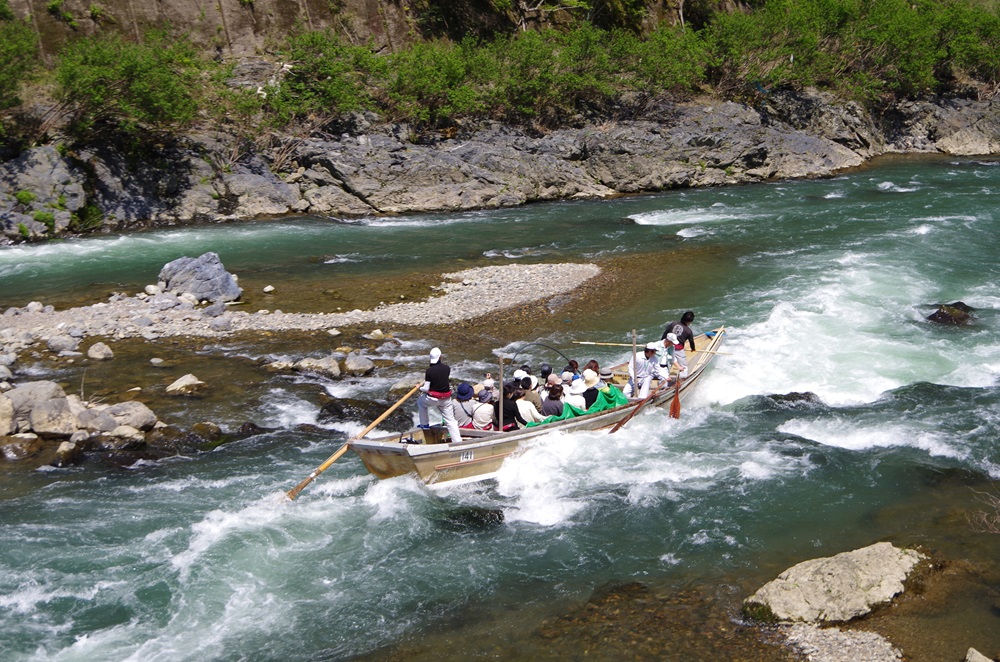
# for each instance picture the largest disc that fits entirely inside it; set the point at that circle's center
(675, 404)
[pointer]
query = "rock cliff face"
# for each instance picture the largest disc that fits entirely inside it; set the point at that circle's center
(231, 27)
(375, 169)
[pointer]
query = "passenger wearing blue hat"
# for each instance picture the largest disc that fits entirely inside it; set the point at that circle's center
(464, 406)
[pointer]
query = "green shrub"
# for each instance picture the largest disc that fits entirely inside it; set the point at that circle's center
(327, 77)
(18, 53)
(433, 82)
(115, 84)
(89, 217)
(25, 197)
(668, 60)
(46, 217)
(23, 230)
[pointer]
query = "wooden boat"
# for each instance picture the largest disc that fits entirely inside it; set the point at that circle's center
(438, 461)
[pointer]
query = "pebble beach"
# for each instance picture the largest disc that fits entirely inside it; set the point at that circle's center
(463, 295)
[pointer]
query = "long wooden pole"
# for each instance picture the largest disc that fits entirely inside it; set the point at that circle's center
(294, 492)
(625, 344)
(500, 399)
(635, 368)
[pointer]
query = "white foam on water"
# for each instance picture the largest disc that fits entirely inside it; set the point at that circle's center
(670, 559)
(921, 229)
(413, 222)
(835, 195)
(218, 525)
(346, 258)
(689, 233)
(717, 213)
(284, 409)
(538, 482)
(856, 437)
(895, 188)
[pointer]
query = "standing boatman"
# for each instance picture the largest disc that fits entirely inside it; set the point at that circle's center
(436, 393)
(682, 331)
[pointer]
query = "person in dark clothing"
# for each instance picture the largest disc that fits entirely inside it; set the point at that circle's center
(436, 393)
(681, 332)
(591, 380)
(511, 415)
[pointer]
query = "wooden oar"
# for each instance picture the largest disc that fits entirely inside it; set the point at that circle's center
(635, 410)
(675, 404)
(294, 492)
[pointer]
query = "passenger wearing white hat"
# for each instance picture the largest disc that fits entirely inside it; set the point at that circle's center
(591, 380)
(574, 396)
(436, 393)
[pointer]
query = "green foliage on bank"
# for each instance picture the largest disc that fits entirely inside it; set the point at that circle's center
(110, 83)
(18, 54)
(875, 51)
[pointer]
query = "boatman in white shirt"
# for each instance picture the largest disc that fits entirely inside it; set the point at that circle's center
(643, 372)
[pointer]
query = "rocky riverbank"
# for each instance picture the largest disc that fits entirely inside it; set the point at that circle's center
(373, 168)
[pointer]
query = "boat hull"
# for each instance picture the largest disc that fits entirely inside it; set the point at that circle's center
(478, 456)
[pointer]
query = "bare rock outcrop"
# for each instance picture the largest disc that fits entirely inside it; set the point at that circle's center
(203, 277)
(837, 588)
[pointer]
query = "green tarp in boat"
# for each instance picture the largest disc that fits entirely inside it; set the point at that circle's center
(607, 398)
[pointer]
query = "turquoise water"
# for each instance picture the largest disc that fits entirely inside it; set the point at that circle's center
(823, 285)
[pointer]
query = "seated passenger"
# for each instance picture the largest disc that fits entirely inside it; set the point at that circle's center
(530, 394)
(529, 413)
(553, 404)
(482, 414)
(511, 414)
(607, 379)
(464, 405)
(553, 380)
(575, 394)
(591, 380)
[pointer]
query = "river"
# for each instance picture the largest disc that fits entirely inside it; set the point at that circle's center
(823, 286)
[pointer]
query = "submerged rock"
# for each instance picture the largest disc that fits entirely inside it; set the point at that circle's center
(186, 385)
(953, 313)
(364, 411)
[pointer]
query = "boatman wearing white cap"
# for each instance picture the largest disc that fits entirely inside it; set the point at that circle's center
(643, 372)
(436, 393)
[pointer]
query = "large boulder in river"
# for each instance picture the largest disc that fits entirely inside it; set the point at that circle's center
(29, 395)
(6, 416)
(133, 414)
(329, 366)
(53, 419)
(953, 313)
(836, 588)
(357, 364)
(364, 411)
(203, 277)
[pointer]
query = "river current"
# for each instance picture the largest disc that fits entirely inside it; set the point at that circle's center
(824, 287)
